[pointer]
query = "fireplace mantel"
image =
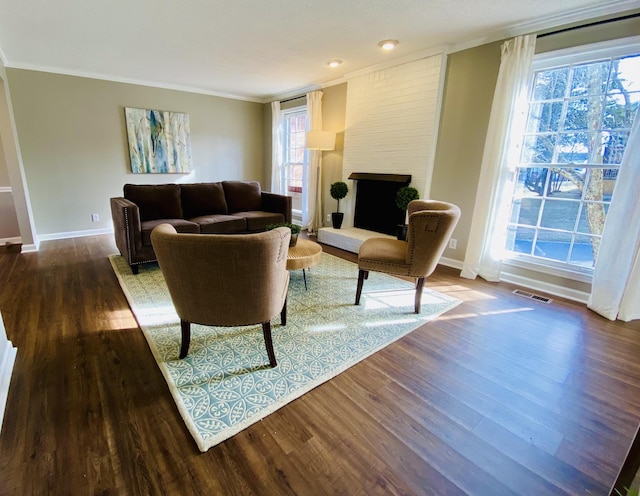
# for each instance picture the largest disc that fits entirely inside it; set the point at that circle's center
(370, 176)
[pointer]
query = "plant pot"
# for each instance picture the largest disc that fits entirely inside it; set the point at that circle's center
(336, 219)
(294, 240)
(401, 232)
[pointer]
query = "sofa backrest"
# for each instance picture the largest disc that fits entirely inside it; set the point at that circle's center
(155, 201)
(187, 201)
(242, 196)
(200, 199)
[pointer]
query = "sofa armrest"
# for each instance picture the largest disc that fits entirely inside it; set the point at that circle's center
(126, 227)
(282, 204)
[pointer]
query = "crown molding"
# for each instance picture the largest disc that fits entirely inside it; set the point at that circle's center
(423, 54)
(611, 8)
(547, 23)
(302, 91)
(412, 57)
(604, 9)
(608, 8)
(138, 82)
(288, 95)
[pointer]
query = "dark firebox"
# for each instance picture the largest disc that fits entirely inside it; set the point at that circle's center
(376, 208)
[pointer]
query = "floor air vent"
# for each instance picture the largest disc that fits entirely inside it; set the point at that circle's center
(532, 296)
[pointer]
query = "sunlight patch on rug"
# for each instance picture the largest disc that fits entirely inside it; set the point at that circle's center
(224, 385)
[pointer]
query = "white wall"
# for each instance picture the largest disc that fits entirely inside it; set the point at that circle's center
(7, 359)
(391, 124)
(9, 230)
(19, 203)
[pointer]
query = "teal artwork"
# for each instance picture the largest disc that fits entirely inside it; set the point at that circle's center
(159, 141)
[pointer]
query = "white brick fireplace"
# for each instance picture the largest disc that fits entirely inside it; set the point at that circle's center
(390, 128)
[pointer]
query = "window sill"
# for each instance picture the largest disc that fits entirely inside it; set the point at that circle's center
(585, 276)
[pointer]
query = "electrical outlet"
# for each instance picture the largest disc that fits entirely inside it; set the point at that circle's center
(95, 218)
(453, 243)
(328, 217)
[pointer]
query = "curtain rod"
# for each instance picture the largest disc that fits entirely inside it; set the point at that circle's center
(588, 25)
(292, 99)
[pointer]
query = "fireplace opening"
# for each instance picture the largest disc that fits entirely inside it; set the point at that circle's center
(376, 208)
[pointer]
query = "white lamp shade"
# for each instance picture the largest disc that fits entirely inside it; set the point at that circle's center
(320, 140)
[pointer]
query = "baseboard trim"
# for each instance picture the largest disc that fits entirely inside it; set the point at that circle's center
(75, 234)
(545, 287)
(6, 368)
(29, 248)
(450, 262)
(7, 359)
(11, 241)
(528, 283)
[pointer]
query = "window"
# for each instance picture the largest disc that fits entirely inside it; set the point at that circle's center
(580, 112)
(295, 125)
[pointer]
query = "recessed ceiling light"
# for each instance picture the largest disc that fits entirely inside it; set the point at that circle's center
(388, 44)
(334, 63)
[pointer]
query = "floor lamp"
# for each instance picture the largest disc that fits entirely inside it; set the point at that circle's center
(319, 141)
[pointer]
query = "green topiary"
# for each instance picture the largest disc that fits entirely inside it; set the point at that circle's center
(405, 195)
(338, 191)
(295, 228)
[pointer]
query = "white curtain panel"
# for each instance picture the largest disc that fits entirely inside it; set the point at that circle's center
(502, 148)
(277, 160)
(312, 215)
(615, 289)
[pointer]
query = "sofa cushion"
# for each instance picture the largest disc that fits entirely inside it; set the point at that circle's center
(202, 199)
(242, 196)
(181, 225)
(258, 220)
(221, 224)
(155, 201)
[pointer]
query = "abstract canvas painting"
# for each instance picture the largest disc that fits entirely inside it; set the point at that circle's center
(159, 141)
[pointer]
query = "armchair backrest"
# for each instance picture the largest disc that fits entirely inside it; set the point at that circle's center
(224, 280)
(431, 224)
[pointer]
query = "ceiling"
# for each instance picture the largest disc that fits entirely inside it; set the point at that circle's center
(258, 49)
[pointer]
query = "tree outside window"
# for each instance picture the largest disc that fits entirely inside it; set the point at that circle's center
(579, 118)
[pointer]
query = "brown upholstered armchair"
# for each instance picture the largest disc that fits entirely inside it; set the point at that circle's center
(431, 224)
(225, 280)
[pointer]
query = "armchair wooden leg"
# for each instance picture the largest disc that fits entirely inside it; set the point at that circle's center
(135, 269)
(362, 275)
(418, 302)
(186, 337)
(266, 331)
(283, 313)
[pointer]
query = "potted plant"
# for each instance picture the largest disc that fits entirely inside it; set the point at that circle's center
(338, 191)
(405, 195)
(295, 230)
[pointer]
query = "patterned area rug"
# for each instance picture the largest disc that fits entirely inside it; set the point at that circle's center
(225, 385)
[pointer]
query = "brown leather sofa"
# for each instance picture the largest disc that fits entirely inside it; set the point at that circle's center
(226, 207)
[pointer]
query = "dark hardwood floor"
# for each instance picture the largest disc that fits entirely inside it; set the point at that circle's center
(500, 396)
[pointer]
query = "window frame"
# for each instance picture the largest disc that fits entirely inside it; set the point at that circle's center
(547, 61)
(287, 114)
